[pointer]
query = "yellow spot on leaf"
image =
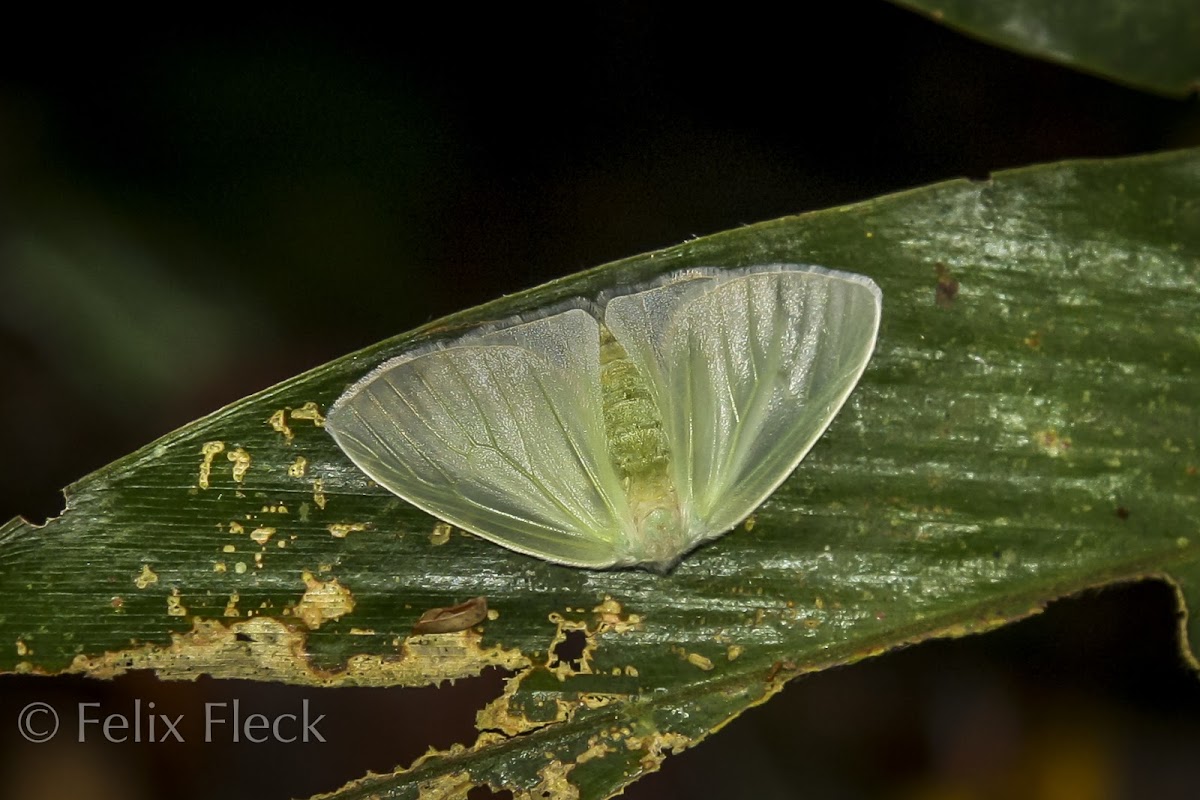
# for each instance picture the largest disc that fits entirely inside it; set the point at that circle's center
(146, 577)
(296, 470)
(322, 601)
(240, 568)
(319, 493)
(1051, 443)
(493, 614)
(262, 535)
(241, 463)
(340, 530)
(733, 651)
(175, 607)
(656, 747)
(263, 645)
(309, 411)
(236, 528)
(609, 612)
(209, 450)
(596, 749)
(278, 421)
(22, 648)
(440, 535)
(554, 783)
(697, 660)
(749, 523)
(219, 567)
(231, 609)
(446, 787)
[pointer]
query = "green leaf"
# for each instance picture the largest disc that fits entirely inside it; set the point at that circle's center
(1153, 46)
(1027, 429)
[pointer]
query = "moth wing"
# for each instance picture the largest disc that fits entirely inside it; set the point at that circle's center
(501, 435)
(749, 368)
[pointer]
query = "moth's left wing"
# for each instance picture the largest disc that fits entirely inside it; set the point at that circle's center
(499, 434)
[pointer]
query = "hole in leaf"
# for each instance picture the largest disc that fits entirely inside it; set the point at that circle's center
(570, 650)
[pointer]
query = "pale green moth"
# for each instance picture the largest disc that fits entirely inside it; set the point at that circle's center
(621, 431)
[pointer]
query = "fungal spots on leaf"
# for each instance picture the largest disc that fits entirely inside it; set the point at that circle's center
(779, 667)
(340, 530)
(445, 787)
(259, 647)
(262, 535)
(145, 578)
(309, 411)
(946, 291)
(596, 749)
(278, 423)
(208, 451)
(554, 783)
(1122, 512)
(175, 606)
(322, 601)
(1051, 443)
(656, 747)
(609, 615)
(241, 463)
(440, 535)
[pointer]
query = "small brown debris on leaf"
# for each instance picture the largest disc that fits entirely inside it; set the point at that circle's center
(947, 286)
(453, 618)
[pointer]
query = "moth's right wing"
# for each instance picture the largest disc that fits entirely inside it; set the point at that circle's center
(501, 435)
(749, 367)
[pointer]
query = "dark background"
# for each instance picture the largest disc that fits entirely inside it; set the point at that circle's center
(188, 215)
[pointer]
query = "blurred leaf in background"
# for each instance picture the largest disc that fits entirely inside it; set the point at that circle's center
(1153, 46)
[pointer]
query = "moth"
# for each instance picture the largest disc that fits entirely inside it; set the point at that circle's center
(623, 430)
